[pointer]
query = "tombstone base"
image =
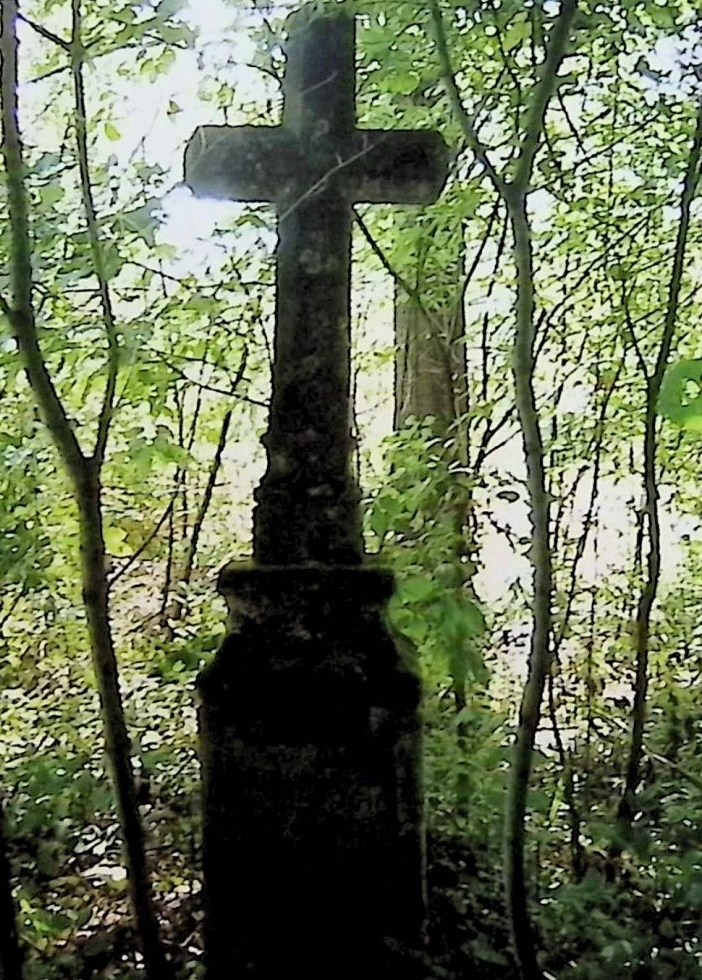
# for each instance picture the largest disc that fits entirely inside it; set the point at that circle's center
(313, 856)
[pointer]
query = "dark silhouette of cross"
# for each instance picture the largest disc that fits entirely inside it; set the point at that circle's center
(314, 168)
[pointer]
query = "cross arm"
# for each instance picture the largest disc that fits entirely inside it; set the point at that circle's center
(263, 163)
(398, 166)
(242, 163)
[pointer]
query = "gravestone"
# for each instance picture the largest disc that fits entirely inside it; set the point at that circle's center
(313, 859)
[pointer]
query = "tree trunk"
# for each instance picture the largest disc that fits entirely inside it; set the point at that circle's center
(431, 381)
(174, 610)
(96, 602)
(514, 187)
(11, 957)
(430, 361)
(429, 365)
(82, 469)
(651, 523)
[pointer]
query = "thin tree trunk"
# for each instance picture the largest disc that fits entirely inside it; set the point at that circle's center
(540, 654)
(515, 193)
(430, 381)
(429, 361)
(651, 520)
(174, 610)
(11, 954)
(96, 602)
(204, 507)
(83, 469)
(163, 614)
(176, 607)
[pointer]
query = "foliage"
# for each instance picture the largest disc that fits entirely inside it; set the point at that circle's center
(681, 396)
(413, 520)
(604, 220)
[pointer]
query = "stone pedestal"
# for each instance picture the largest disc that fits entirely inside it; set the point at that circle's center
(313, 855)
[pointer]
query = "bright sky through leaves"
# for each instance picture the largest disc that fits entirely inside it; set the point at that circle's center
(155, 120)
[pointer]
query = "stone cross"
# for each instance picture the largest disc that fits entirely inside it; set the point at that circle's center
(312, 829)
(314, 168)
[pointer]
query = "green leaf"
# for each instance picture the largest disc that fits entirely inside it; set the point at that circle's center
(115, 542)
(51, 194)
(461, 619)
(417, 589)
(142, 221)
(680, 398)
(517, 32)
(379, 522)
(473, 615)
(487, 954)
(399, 83)
(168, 8)
(47, 165)
(111, 132)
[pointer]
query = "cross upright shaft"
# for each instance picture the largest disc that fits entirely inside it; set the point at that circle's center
(313, 168)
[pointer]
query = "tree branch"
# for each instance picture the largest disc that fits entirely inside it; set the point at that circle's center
(464, 119)
(21, 312)
(643, 367)
(108, 317)
(413, 294)
(468, 278)
(536, 115)
(134, 557)
(46, 34)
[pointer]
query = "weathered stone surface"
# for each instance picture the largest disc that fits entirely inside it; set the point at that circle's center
(259, 163)
(311, 735)
(312, 837)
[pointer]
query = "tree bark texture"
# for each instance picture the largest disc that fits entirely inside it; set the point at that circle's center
(11, 954)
